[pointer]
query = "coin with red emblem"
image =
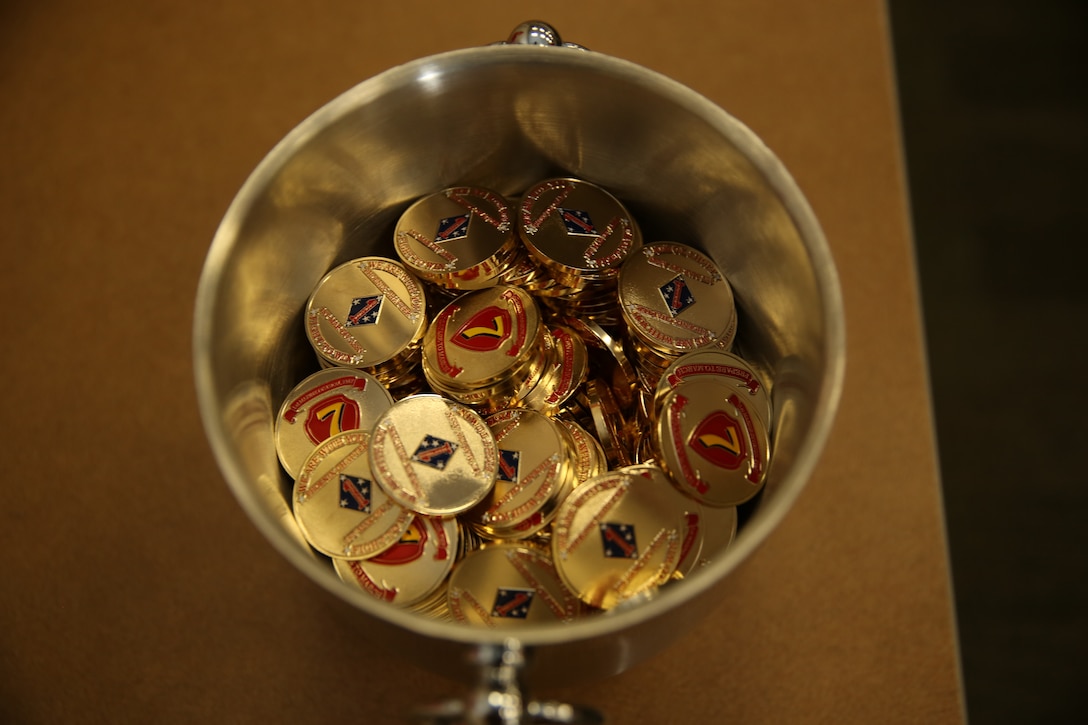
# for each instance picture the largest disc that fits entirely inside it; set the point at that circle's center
(412, 568)
(711, 443)
(324, 404)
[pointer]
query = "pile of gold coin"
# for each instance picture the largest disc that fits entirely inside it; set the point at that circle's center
(525, 413)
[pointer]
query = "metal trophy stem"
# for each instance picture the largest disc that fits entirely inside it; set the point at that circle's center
(500, 699)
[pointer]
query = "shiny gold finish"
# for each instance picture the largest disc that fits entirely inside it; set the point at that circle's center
(729, 366)
(410, 570)
(566, 370)
(606, 420)
(325, 403)
(719, 526)
(368, 313)
(340, 509)
(619, 535)
(434, 456)
(485, 347)
(589, 456)
(713, 446)
(461, 238)
(535, 473)
(470, 539)
(674, 299)
(507, 586)
(579, 235)
(577, 230)
(695, 519)
(435, 606)
(608, 359)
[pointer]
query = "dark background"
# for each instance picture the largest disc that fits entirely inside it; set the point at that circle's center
(994, 114)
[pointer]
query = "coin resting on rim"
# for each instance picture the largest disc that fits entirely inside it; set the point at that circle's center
(730, 367)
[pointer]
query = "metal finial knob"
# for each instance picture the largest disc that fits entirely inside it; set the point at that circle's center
(534, 32)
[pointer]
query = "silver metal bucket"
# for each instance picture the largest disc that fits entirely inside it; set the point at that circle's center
(505, 116)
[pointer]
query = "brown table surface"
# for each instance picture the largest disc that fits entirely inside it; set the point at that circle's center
(135, 589)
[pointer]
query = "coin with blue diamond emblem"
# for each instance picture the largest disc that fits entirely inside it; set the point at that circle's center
(368, 313)
(619, 535)
(675, 299)
(433, 455)
(536, 471)
(459, 239)
(340, 508)
(508, 585)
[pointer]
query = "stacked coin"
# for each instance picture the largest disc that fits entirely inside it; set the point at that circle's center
(341, 512)
(714, 448)
(486, 349)
(674, 300)
(433, 456)
(461, 239)
(579, 235)
(368, 314)
(536, 470)
(566, 370)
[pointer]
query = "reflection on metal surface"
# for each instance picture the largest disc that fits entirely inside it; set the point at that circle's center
(247, 413)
